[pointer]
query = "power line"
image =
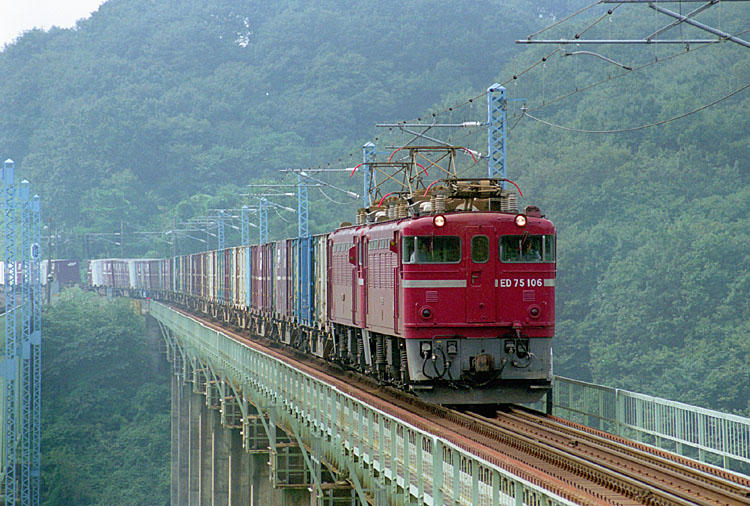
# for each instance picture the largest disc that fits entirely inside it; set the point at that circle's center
(506, 82)
(332, 200)
(626, 73)
(622, 130)
(565, 19)
(651, 39)
(544, 59)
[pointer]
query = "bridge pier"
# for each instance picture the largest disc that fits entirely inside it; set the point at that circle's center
(265, 494)
(220, 461)
(198, 413)
(174, 460)
(180, 416)
(205, 456)
(229, 450)
(183, 443)
(214, 464)
(239, 471)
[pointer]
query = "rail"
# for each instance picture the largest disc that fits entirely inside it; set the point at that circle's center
(389, 461)
(710, 436)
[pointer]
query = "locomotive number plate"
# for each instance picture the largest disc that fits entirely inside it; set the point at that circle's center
(524, 282)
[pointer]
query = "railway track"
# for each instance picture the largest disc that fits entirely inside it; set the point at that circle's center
(732, 484)
(628, 472)
(587, 467)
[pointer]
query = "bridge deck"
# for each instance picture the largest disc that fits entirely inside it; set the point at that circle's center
(385, 460)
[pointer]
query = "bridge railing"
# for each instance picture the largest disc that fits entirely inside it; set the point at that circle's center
(390, 460)
(710, 436)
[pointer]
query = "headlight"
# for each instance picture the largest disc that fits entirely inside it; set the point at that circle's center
(439, 220)
(521, 220)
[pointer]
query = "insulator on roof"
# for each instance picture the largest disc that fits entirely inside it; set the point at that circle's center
(440, 203)
(512, 203)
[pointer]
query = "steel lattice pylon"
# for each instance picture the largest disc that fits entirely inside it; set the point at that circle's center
(25, 358)
(9, 363)
(36, 350)
(303, 207)
(21, 363)
(304, 275)
(263, 221)
(220, 229)
(496, 139)
(368, 156)
(245, 225)
(220, 254)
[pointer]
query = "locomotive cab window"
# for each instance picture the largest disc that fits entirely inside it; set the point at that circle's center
(443, 249)
(527, 248)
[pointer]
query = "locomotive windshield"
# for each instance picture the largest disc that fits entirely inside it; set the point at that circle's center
(527, 248)
(431, 249)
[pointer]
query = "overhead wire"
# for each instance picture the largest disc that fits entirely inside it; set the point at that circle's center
(598, 20)
(626, 73)
(473, 131)
(542, 61)
(281, 217)
(515, 76)
(332, 200)
(564, 19)
(516, 123)
(649, 125)
(469, 101)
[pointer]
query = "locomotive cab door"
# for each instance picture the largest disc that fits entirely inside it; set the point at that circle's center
(362, 281)
(480, 272)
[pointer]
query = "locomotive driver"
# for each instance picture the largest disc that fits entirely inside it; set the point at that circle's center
(424, 254)
(530, 252)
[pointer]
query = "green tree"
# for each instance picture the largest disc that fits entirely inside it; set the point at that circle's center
(106, 423)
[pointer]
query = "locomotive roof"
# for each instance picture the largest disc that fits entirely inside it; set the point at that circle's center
(465, 218)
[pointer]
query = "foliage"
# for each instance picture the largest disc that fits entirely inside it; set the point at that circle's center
(653, 234)
(105, 423)
(147, 103)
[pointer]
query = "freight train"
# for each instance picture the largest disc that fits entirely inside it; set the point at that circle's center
(450, 296)
(64, 272)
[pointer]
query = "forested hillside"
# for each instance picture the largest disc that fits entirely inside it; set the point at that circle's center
(653, 223)
(105, 394)
(148, 103)
(154, 112)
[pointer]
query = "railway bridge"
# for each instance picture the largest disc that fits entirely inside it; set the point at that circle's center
(251, 428)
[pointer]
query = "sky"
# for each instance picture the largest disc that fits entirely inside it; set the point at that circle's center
(17, 16)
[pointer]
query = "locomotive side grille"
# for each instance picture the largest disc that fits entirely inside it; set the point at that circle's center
(431, 296)
(529, 295)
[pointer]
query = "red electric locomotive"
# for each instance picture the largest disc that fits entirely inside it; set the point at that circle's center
(454, 300)
(445, 290)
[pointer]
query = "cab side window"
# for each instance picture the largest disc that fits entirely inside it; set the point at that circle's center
(408, 247)
(431, 250)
